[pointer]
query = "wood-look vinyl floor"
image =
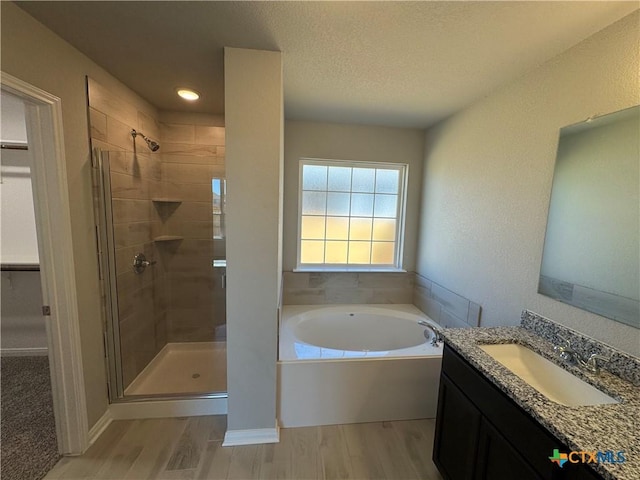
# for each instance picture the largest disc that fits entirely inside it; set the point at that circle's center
(191, 448)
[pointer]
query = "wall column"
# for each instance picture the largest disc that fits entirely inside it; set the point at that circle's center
(254, 169)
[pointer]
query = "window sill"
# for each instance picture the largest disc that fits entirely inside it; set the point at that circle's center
(349, 270)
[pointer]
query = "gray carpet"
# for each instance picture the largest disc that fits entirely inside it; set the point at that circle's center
(29, 448)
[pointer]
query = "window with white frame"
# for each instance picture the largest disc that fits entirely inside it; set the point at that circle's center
(351, 215)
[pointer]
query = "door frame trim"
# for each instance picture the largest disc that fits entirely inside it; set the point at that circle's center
(57, 268)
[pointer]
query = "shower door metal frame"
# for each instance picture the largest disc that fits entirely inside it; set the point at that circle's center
(107, 267)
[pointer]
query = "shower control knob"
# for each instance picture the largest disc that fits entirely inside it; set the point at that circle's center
(140, 263)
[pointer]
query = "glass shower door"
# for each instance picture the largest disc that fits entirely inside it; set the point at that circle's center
(161, 253)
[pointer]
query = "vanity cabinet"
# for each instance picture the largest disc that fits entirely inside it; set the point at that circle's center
(481, 434)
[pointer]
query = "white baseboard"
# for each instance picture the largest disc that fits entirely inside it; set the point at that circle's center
(24, 352)
(251, 437)
(100, 426)
(168, 408)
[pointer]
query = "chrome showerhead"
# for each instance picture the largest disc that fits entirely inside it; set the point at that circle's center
(153, 145)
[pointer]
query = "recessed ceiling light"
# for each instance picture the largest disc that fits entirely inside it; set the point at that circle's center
(188, 94)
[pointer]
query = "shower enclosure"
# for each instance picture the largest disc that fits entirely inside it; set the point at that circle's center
(160, 215)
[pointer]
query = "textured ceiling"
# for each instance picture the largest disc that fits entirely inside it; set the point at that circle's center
(405, 64)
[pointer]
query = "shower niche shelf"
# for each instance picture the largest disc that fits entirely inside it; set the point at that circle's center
(168, 238)
(166, 200)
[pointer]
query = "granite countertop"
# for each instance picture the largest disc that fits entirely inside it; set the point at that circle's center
(585, 428)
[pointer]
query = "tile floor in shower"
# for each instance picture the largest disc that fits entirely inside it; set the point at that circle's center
(194, 367)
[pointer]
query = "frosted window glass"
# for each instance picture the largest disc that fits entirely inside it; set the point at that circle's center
(336, 252)
(359, 252)
(385, 206)
(314, 177)
(337, 228)
(339, 179)
(312, 228)
(382, 253)
(360, 229)
(363, 180)
(338, 204)
(362, 205)
(384, 229)
(314, 203)
(312, 251)
(387, 181)
(349, 213)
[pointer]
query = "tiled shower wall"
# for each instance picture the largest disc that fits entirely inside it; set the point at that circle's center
(155, 196)
(192, 154)
(135, 176)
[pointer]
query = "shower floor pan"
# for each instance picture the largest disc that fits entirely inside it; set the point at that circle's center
(189, 367)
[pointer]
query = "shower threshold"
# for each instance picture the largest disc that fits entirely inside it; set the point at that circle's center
(184, 368)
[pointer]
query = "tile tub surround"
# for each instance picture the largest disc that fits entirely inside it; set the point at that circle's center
(444, 306)
(326, 288)
(587, 428)
(621, 364)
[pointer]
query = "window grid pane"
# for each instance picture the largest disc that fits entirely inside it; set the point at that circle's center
(312, 251)
(385, 206)
(387, 181)
(314, 177)
(314, 203)
(339, 179)
(337, 228)
(336, 252)
(353, 220)
(338, 204)
(362, 204)
(363, 180)
(313, 228)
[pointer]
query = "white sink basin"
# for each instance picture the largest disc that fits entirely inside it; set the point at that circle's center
(551, 380)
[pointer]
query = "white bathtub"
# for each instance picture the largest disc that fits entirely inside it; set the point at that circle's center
(355, 363)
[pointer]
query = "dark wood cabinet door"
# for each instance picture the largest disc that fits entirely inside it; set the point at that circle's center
(497, 460)
(457, 429)
(481, 434)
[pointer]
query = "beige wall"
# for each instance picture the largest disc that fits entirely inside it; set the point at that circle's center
(36, 55)
(351, 142)
(254, 122)
(488, 174)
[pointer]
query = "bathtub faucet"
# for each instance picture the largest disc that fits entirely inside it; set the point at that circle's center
(437, 338)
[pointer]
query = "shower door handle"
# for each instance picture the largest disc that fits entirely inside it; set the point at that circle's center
(140, 263)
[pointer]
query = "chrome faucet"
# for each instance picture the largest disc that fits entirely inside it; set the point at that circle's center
(437, 338)
(568, 354)
(591, 363)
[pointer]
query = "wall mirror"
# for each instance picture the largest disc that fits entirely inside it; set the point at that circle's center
(591, 257)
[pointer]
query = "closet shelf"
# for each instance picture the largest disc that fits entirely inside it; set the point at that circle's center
(168, 238)
(166, 200)
(20, 267)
